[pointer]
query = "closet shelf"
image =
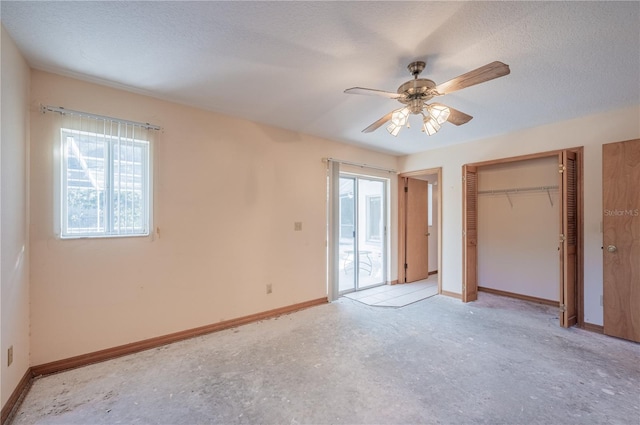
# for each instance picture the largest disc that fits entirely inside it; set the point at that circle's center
(520, 190)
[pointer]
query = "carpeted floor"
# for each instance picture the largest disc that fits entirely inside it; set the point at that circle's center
(437, 361)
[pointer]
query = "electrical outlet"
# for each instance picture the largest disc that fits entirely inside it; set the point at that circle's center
(269, 288)
(10, 356)
(297, 226)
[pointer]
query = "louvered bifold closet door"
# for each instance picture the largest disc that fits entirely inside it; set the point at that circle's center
(470, 233)
(568, 238)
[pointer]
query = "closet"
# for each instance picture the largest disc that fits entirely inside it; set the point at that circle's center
(518, 229)
(522, 232)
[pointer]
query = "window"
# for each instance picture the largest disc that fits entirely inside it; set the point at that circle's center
(105, 180)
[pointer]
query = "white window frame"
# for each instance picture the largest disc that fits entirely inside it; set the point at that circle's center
(147, 188)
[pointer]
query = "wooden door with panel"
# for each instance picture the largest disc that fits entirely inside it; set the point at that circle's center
(568, 238)
(470, 233)
(621, 239)
(417, 231)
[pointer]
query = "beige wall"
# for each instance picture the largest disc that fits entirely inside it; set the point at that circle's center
(518, 240)
(228, 192)
(590, 132)
(14, 247)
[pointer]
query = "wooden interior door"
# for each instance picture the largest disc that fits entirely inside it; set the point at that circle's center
(417, 231)
(568, 243)
(470, 233)
(621, 239)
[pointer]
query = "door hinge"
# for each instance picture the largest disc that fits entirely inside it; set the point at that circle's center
(561, 168)
(405, 266)
(563, 308)
(406, 189)
(562, 237)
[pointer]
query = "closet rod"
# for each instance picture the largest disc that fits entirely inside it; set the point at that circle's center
(519, 189)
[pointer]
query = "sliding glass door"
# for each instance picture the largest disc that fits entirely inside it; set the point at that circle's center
(362, 233)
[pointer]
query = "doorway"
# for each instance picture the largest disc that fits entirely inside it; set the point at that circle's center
(420, 226)
(362, 233)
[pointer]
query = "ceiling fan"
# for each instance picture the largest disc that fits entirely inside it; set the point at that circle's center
(415, 93)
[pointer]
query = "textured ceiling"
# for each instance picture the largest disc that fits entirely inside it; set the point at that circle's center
(286, 64)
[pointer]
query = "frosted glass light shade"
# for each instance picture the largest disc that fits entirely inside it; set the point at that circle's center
(394, 129)
(431, 126)
(400, 116)
(439, 112)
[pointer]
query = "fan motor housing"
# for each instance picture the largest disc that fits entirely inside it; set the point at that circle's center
(419, 88)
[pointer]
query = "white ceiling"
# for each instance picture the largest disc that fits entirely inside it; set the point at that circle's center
(286, 64)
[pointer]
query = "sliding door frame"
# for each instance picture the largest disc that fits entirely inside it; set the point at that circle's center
(334, 170)
(357, 178)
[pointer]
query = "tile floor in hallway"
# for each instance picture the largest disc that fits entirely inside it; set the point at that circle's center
(397, 295)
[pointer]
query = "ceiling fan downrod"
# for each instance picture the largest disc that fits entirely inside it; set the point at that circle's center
(415, 68)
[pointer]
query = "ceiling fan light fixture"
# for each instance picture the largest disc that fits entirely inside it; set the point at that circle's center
(439, 112)
(400, 116)
(394, 129)
(431, 125)
(414, 95)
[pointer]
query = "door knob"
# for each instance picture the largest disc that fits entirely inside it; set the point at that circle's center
(612, 248)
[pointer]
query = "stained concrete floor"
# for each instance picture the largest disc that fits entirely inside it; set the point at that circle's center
(437, 361)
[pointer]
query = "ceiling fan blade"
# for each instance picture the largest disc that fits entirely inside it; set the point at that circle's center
(373, 92)
(456, 117)
(376, 125)
(477, 76)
